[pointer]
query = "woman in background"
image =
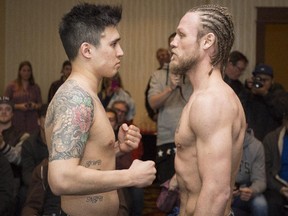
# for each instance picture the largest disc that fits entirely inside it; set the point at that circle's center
(112, 90)
(26, 96)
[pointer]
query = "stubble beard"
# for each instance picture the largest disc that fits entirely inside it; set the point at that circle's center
(184, 65)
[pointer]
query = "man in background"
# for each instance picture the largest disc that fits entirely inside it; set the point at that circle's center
(237, 63)
(65, 71)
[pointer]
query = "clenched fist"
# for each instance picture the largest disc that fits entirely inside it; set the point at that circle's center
(142, 173)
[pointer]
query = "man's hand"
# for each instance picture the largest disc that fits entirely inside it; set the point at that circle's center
(284, 191)
(142, 173)
(128, 137)
(235, 192)
(245, 193)
(175, 80)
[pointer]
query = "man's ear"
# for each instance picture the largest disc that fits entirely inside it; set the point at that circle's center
(209, 40)
(86, 50)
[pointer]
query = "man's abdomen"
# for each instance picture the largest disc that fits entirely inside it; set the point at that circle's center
(90, 205)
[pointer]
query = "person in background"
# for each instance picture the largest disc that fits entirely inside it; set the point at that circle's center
(13, 139)
(236, 65)
(40, 200)
(262, 104)
(34, 149)
(250, 181)
(81, 141)
(6, 188)
(11, 146)
(163, 57)
(112, 116)
(112, 90)
(65, 71)
(26, 96)
(134, 196)
(123, 193)
(209, 136)
(168, 93)
(276, 157)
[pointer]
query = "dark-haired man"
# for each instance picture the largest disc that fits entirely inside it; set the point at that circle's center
(65, 71)
(211, 129)
(237, 63)
(262, 106)
(34, 149)
(80, 139)
(11, 140)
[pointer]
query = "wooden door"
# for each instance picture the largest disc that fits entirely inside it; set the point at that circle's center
(272, 41)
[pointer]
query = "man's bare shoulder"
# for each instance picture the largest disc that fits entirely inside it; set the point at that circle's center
(68, 120)
(214, 106)
(68, 96)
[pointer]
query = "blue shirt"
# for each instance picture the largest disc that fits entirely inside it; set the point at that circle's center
(284, 159)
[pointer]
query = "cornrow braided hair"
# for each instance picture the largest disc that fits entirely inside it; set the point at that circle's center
(218, 20)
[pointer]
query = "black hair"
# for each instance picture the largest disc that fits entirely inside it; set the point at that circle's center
(85, 23)
(65, 63)
(236, 56)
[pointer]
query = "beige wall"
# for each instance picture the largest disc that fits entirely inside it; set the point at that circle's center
(31, 34)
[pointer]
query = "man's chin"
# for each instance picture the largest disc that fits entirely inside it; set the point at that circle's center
(5, 121)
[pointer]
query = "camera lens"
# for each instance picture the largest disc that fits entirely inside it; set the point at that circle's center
(257, 82)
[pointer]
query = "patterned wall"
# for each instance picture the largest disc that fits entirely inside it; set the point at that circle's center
(32, 25)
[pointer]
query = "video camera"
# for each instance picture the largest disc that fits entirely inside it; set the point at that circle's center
(257, 82)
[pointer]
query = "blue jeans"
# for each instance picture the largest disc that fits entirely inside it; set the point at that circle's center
(257, 206)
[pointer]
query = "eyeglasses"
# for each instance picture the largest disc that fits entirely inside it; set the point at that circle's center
(120, 111)
(239, 68)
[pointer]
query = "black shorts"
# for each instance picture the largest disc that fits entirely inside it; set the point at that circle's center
(165, 156)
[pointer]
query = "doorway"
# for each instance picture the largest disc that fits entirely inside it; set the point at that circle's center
(272, 41)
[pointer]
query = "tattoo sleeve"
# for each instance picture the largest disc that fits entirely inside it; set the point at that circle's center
(71, 116)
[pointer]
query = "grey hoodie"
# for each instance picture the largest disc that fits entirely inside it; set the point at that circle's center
(252, 168)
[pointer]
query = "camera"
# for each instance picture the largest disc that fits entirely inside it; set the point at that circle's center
(257, 82)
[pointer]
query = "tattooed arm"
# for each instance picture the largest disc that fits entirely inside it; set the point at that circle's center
(72, 135)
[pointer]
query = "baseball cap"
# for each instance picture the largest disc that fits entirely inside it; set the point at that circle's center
(6, 100)
(263, 69)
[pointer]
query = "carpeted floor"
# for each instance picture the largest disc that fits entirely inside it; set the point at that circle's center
(150, 196)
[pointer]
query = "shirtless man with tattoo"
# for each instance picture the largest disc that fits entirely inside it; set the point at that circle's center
(212, 125)
(81, 141)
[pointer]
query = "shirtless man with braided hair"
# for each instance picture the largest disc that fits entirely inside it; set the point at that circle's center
(212, 125)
